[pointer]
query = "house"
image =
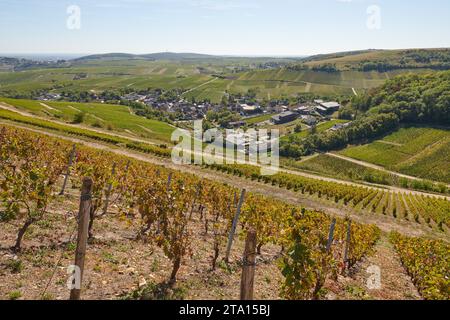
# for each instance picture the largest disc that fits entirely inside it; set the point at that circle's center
(250, 143)
(305, 110)
(322, 110)
(309, 120)
(284, 117)
(318, 101)
(330, 106)
(277, 108)
(49, 96)
(248, 110)
(134, 97)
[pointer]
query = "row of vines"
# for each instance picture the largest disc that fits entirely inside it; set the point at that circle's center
(429, 210)
(427, 262)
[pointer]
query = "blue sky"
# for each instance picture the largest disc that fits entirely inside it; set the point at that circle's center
(233, 27)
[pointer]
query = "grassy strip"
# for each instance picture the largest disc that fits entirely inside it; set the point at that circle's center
(258, 119)
(114, 117)
(146, 148)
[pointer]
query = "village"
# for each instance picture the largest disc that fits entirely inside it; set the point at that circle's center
(237, 113)
(310, 113)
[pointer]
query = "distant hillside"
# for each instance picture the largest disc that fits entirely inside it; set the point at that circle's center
(193, 57)
(21, 64)
(178, 56)
(171, 56)
(339, 55)
(380, 60)
(108, 56)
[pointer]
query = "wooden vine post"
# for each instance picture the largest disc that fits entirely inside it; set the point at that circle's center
(108, 191)
(322, 275)
(127, 167)
(83, 224)
(69, 165)
(347, 245)
(197, 195)
(248, 266)
(331, 235)
(234, 226)
(169, 181)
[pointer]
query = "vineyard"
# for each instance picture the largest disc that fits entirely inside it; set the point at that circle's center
(166, 210)
(343, 169)
(161, 151)
(322, 164)
(431, 211)
(417, 151)
(108, 117)
(427, 262)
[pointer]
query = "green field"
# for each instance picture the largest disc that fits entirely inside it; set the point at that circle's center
(417, 151)
(282, 82)
(258, 119)
(67, 130)
(114, 118)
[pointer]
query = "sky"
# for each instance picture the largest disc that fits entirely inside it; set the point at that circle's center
(226, 27)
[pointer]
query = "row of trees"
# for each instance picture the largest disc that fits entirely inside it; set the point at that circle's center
(364, 129)
(437, 59)
(384, 66)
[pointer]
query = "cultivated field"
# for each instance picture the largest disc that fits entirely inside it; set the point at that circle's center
(194, 77)
(113, 118)
(416, 151)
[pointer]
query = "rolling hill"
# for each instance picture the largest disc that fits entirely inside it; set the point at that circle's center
(384, 60)
(170, 56)
(271, 78)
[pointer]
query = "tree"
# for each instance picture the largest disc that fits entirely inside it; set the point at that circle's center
(79, 117)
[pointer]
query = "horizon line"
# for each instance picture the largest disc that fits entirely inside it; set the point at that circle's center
(212, 54)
